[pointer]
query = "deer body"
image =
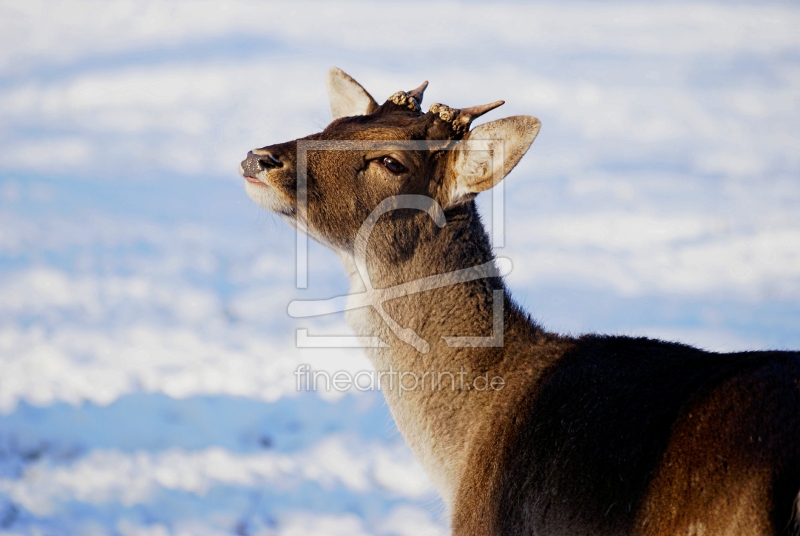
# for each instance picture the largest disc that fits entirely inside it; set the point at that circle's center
(589, 435)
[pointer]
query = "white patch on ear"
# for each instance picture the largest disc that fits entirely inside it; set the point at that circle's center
(489, 153)
(347, 96)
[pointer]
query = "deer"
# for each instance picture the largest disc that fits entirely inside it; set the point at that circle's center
(574, 435)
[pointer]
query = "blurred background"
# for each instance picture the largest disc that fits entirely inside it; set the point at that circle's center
(146, 357)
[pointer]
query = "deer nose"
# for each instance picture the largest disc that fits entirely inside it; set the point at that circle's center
(255, 163)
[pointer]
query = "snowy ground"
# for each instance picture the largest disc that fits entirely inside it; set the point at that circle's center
(146, 359)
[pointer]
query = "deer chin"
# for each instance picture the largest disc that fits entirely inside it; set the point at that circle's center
(267, 197)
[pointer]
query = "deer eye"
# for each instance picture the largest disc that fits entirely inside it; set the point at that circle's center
(392, 165)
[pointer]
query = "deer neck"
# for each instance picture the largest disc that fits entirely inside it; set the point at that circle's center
(433, 395)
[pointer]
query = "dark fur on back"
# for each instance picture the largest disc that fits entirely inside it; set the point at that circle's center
(593, 438)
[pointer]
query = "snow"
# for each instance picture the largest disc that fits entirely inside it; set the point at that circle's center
(147, 360)
(111, 476)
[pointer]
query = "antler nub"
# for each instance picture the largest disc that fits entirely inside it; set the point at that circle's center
(475, 112)
(444, 112)
(417, 94)
(411, 99)
(401, 98)
(461, 119)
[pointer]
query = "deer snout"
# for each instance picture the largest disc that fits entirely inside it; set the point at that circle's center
(256, 163)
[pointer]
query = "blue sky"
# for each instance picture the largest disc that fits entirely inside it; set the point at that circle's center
(143, 296)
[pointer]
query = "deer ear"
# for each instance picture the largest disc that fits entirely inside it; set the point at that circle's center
(488, 153)
(347, 96)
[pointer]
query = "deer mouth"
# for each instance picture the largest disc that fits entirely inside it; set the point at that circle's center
(254, 180)
(266, 195)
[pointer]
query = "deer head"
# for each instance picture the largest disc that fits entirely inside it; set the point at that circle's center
(344, 183)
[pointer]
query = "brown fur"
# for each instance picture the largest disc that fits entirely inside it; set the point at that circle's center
(590, 435)
(721, 470)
